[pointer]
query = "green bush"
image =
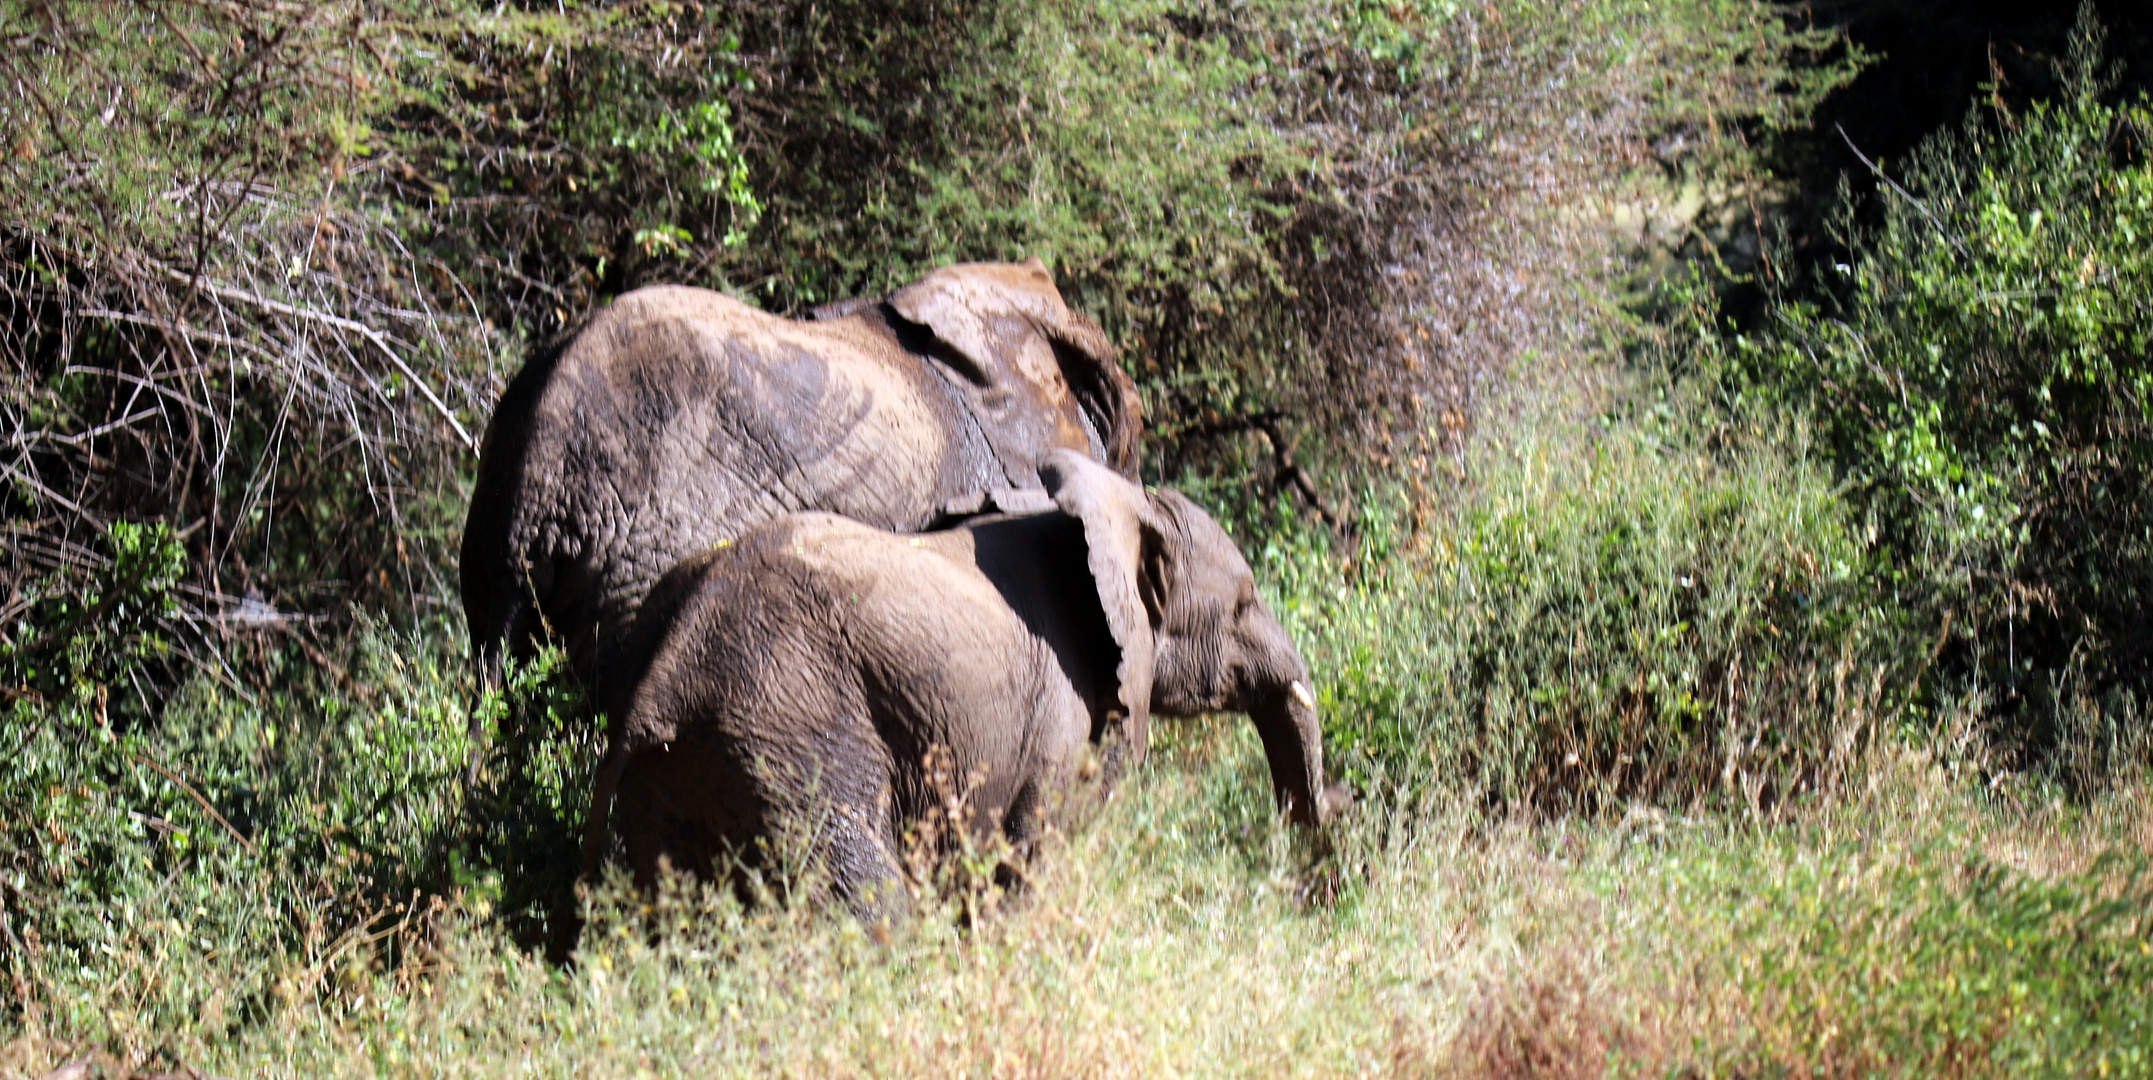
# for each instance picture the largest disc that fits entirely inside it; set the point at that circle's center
(1598, 614)
(194, 874)
(75, 645)
(242, 254)
(1273, 207)
(1980, 369)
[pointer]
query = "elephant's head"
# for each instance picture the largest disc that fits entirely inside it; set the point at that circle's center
(1005, 328)
(1194, 636)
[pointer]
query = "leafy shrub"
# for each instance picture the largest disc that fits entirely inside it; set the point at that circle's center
(200, 326)
(1980, 370)
(517, 849)
(1604, 614)
(194, 874)
(63, 643)
(1929, 959)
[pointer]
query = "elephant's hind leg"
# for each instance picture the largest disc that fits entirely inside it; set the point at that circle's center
(1022, 825)
(863, 870)
(674, 809)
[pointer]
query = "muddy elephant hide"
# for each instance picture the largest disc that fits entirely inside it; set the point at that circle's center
(679, 417)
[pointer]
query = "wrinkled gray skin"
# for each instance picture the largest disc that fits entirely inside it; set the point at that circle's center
(679, 417)
(803, 673)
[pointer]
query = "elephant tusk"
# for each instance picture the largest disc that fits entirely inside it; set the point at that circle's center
(1301, 694)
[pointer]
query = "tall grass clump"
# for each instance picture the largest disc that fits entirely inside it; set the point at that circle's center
(1159, 941)
(1917, 929)
(1979, 370)
(1615, 608)
(1945, 965)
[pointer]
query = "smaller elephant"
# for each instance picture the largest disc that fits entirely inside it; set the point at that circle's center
(810, 672)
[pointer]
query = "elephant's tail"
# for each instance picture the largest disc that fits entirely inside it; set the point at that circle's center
(490, 642)
(602, 792)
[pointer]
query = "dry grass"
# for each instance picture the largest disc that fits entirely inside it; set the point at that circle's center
(1178, 938)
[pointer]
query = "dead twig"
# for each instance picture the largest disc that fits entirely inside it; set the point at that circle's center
(1290, 470)
(32, 482)
(372, 335)
(1902, 193)
(152, 763)
(195, 333)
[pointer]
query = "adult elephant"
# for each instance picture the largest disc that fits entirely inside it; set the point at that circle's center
(679, 417)
(818, 674)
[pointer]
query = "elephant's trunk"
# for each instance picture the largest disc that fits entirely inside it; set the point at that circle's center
(1285, 716)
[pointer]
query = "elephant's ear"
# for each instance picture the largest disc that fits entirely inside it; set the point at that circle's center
(1123, 554)
(1107, 395)
(984, 312)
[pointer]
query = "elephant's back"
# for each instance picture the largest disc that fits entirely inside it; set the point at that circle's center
(838, 415)
(824, 569)
(915, 621)
(680, 416)
(744, 637)
(670, 381)
(818, 659)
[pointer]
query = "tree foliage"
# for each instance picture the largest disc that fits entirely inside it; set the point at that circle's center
(1981, 369)
(265, 267)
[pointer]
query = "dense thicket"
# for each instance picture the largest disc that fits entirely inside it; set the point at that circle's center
(266, 266)
(1978, 369)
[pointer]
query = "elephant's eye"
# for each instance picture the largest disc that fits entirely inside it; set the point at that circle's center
(1246, 598)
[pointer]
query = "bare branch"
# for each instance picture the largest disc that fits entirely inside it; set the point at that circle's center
(369, 333)
(1289, 469)
(1903, 193)
(153, 764)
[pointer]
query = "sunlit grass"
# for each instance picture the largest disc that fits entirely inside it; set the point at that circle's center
(1187, 935)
